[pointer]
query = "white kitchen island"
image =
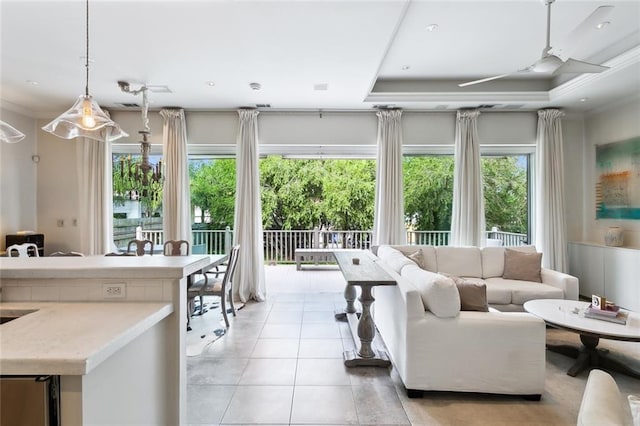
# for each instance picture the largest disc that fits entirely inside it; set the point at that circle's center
(131, 335)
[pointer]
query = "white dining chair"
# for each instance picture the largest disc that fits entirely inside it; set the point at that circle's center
(23, 250)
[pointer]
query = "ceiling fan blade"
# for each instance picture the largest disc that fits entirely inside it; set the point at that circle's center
(575, 38)
(495, 77)
(579, 67)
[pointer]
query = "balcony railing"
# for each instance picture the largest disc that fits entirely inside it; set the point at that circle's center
(280, 246)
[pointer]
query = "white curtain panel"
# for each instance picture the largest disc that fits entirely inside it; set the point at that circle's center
(388, 222)
(176, 198)
(249, 282)
(551, 237)
(96, 206)
(467, 221)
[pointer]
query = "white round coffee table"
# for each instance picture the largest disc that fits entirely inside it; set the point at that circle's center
(569, 315)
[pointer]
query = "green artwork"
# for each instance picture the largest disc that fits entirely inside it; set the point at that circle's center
(618, 180)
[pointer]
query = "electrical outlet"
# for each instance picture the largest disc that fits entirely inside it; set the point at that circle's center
(60, 223)
(114, 291)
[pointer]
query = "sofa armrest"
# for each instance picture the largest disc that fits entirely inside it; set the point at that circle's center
(567, 283)
(602, 403)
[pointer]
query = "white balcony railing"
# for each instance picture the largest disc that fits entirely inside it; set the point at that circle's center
(279, 246)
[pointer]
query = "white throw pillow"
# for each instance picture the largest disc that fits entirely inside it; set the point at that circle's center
(439, 293)
(395, 259)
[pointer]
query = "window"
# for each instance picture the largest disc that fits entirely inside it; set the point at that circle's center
(428, 197)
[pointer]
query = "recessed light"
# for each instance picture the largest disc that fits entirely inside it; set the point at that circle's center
(210, 83)
(432, 27)
(584, 99)
(405, 67)
(602, 24)
(32, 82)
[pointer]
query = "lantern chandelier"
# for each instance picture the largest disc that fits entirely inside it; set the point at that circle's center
(85, 118)
(144, 175)
(145, 145)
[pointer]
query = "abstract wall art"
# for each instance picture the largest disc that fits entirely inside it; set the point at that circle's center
(618, 180)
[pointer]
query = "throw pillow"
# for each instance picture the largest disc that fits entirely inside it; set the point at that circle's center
(418, 258)
(439, 293)
(522, 266)
(473, 295)
(395, 259)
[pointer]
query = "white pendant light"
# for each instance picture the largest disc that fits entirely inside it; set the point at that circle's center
(9, 133)
(85, 118)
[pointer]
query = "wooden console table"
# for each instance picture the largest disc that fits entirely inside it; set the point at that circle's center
(366, 274)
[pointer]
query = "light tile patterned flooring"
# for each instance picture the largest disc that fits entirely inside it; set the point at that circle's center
(281, 363)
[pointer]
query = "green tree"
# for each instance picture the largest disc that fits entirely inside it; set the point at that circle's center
(428, 192)
(505, 193)
(291, 193)
(213, 189)
(349, 193)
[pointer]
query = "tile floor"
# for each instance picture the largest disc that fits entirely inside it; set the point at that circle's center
(280, 362)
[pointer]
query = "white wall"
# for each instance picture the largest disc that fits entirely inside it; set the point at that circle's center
(57, 192)
(18, 178)
(614, 124)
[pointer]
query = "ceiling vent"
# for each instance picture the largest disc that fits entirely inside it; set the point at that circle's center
(388, 106)
(321, 86)
(263, 105)
(513, 106)
(487, 106)
(129, 104)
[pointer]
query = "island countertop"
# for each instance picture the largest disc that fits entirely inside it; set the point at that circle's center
(70, 338)
(144, 267)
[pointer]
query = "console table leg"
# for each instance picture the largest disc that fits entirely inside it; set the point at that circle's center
(366, 327)
(350, 297)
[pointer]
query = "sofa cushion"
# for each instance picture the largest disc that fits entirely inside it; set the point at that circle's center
(492, 262)
(460, 261)
(498, 291)
(473, 294)
(395, 259)
(519, 265)
(523, 291)
(439, 293)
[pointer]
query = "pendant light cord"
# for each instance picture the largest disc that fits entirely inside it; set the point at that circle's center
(86, 87)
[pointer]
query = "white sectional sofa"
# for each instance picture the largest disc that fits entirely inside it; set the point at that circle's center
(435, 346)
(486, 265)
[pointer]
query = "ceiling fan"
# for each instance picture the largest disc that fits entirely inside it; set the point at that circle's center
(551, 61)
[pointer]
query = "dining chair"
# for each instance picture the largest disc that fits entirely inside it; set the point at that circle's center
(141, 247)
(23, 250)
(214, 285)
(176, 248)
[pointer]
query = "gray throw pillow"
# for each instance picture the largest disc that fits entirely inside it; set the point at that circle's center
(473, 295)
(522, 266)
(418, 258)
